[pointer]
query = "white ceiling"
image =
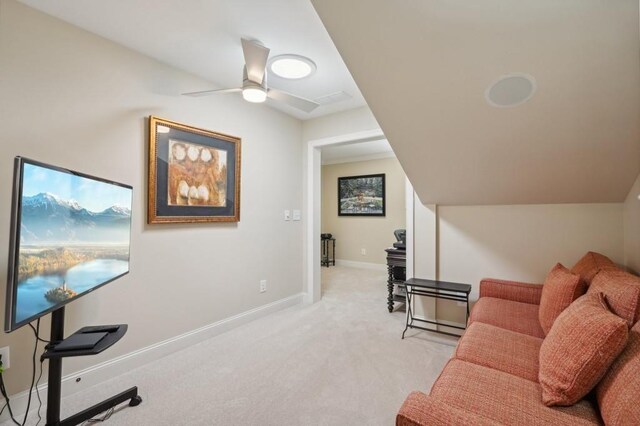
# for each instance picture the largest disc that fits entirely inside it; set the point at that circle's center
(361, 151)
(424, 65)
(203, 38)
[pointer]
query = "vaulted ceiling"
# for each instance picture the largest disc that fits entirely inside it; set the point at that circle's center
(423, 67)
(203, 37)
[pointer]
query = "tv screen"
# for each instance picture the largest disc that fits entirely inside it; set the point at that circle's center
(70, 234)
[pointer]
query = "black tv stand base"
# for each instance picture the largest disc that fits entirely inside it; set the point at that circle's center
(55, 375)
(101, 407)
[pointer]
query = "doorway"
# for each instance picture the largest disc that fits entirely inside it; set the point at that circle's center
(313, 227)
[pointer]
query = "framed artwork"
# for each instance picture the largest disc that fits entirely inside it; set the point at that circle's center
(194, 174)
(361, 195)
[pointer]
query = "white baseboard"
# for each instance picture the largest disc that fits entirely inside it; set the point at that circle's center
(361, 265)
(124, 363)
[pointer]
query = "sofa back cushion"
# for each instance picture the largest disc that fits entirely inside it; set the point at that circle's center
(560, 289)
(618, 391)
(590, 264)
(583, 342)
(622, 291)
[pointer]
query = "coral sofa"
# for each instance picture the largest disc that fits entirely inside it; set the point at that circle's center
(494, 375)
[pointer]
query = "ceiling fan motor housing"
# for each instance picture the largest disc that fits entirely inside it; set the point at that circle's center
(247, 82)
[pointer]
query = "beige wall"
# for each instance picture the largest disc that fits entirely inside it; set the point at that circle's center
(353, 233)
(521, 242)
(74, 99)
(632, 228)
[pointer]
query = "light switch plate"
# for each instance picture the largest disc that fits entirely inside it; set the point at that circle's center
(287, 215)
(297, 215)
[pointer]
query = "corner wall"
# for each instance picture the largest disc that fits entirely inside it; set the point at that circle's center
(76, 100)
(521, 243)
(354, 233)
(632, 229)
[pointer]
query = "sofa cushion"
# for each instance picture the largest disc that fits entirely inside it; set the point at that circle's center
(501, 349)
(618, 391)
(582, 344)
(590, 264)
(560, 289)
(507, 314)
(622, 291)
(422, 410)
(503, 397)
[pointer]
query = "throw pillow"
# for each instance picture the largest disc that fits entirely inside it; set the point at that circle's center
(590, 264)
(560, 289)
(622, 291)
(583, 342)
(618, 391)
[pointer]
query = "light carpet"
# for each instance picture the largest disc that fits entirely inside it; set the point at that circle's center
(338, 362)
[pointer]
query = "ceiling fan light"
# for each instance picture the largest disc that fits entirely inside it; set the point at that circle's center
(254, 94)
(292, 67)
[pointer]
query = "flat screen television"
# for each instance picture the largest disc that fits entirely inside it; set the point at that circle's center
(70, 234)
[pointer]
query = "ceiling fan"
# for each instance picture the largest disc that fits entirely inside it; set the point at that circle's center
(254, 81)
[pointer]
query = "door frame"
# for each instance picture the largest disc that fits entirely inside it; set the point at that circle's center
(312, 277)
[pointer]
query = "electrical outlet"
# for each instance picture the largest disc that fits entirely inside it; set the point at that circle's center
(263, 286)
(363, 252)
(4, 352)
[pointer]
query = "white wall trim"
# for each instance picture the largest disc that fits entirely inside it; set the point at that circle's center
(409, 225)
(370, 157)
(312, 230)
(361, 265)
(124, 363)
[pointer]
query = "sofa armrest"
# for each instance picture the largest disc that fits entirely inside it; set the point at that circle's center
(511, 290)
(422, 410)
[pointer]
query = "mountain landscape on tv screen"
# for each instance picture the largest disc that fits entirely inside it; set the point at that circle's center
(48, 219)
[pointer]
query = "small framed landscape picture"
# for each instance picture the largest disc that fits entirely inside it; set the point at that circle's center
(361, 195)
(194, 174)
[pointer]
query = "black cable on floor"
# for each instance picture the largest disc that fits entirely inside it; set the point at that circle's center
(7, 404)
(104, 418)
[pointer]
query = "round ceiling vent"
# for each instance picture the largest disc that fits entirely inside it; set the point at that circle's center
(510, 90)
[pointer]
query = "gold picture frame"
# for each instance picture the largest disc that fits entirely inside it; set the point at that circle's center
(194, 174)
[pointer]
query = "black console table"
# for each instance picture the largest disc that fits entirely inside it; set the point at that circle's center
(437, 290)
(397, 269)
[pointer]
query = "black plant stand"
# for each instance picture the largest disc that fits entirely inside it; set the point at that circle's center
(55, 374)
(328, 256)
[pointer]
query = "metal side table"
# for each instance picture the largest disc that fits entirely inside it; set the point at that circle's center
(437, 290)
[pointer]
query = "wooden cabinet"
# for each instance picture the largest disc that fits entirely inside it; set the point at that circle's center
(397, 270)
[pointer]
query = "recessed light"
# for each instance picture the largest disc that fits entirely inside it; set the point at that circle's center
(292, 67)
(510, 90)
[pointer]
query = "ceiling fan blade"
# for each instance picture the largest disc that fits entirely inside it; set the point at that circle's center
(211, 92)
(292, 100)
(255, 59)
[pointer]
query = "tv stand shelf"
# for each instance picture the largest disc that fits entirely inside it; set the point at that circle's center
(54, 391)
(108, 341)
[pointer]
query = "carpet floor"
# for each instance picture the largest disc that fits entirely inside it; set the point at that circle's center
(338, 362)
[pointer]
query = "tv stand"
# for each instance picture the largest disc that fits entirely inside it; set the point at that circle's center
(55, 373)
